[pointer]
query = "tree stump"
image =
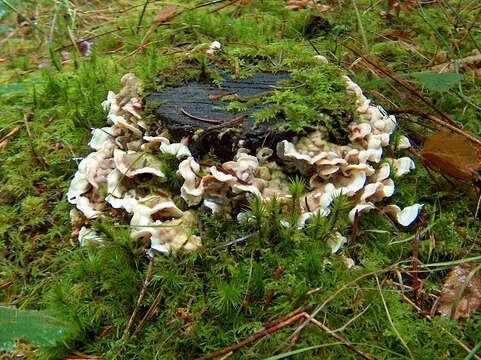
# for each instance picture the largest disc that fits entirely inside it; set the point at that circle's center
(193, 110)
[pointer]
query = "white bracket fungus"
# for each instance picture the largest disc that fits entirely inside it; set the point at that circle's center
(356, 170)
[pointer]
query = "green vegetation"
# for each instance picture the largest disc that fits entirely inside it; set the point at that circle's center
(197, 303)
(32, 327)
(314, 97)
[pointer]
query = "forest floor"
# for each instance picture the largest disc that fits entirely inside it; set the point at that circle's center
(51, 88)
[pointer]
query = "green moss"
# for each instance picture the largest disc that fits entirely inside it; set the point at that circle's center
(218, 296)
(314, 97)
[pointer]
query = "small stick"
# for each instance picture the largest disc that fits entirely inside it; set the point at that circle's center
(402, 83)
(239, 241)
(340, 338)
(355, 228)
(418, 309)
(6, 285)
(235, 121)
(438, 121)
(275, 326)
(430, 317)
(4, 140)
(148, 278)
(147, 315)
(292, 342)
(337, 292)
(477, 213)
(415, 265)
(91, 38)
(25, 18)
(211, 121)
(207, 4)
(403, 342)
(223, 6)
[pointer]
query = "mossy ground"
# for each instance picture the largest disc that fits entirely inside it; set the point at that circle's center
(215, 297)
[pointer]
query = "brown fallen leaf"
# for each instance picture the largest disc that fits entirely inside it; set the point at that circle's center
(451, 155)
(304, 4)
(472, 62)
(401, 5)
(164, 14)
(297, 4)
(461, 293)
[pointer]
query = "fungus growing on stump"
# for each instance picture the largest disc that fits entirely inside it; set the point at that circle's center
(221, 156)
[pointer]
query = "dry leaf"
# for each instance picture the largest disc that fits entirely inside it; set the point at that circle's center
(472, 62)
(461, 292)
(164, 14)
(297, 4)
(401, 5)
(303, 4)
(452, 155)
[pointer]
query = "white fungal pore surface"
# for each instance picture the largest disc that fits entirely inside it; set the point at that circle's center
(105, 178)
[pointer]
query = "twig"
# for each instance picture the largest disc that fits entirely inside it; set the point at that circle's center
(148, 278)
(276, 326)
(91, 38)
(313, 46)
(355, 229)
(239, 241)
(220, 96)
(343, 327)
(438, 121)
(6, 285)
(236, 121)
(430, 317)
(415, 265)
(402, 83)
(210, 121)
(141, 17)
(340, 338)
(11, 133)
(334, 295)
(223, 6)
(477, 213)
(75, 43)
(14, 9)
(418, 309)
(207, 4)
(403, 342)
(148, 314)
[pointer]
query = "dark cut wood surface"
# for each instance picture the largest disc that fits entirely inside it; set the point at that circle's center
(196, 98)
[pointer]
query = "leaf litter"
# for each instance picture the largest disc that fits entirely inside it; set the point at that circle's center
(461, 294)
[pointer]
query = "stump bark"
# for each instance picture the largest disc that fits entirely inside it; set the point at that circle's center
(193, 110)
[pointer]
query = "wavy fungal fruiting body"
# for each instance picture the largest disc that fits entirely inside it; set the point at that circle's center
(123, 153)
